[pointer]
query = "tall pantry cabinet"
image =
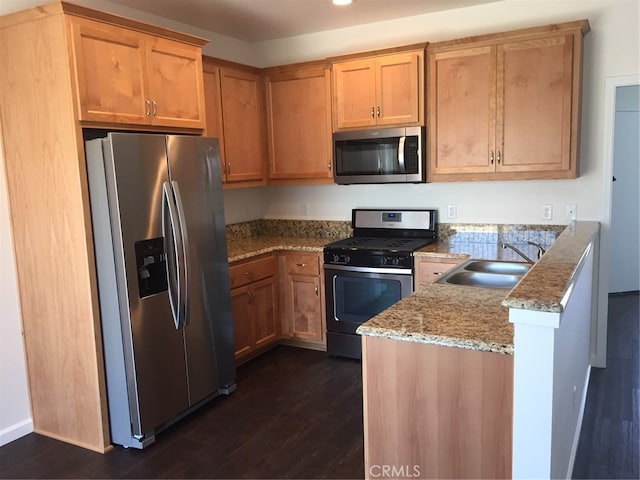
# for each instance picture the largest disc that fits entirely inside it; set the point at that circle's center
(43, 111)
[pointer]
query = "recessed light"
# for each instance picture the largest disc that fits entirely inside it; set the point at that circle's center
(341, 2)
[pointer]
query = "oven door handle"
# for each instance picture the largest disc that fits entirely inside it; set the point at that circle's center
(388, 271)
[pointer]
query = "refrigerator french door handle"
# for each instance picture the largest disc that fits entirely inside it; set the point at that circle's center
(401, 154)
(185, 255)
(167, 201)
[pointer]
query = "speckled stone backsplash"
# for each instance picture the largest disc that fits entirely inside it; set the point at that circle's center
(290, 228)
(485, 240)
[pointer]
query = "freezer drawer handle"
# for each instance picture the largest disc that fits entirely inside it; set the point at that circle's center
(167, 200)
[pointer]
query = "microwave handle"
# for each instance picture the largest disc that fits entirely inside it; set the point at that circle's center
(401, 154)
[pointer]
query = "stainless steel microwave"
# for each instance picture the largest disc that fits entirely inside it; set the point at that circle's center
(389, 155)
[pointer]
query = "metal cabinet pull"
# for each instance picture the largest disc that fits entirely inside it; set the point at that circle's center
(491, 157)
(373, 112)
(301, 264)
(147, 110)
(155, 107)
(316, 289)
(498, 157)
(378, 111)
(329, 165)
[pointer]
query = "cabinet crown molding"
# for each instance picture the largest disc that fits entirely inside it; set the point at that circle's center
(62, 7)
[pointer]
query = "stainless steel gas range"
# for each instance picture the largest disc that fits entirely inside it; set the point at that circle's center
(372, 270)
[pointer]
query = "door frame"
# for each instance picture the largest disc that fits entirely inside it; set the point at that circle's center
(599, 344)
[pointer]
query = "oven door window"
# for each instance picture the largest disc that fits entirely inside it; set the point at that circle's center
(357, 299)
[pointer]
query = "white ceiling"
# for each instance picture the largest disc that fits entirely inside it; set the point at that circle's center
(259, 20)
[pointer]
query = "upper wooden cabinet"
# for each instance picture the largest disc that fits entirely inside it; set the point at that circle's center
(124, 76)
(298, 101)
(234, 102)
(506, 106)
(379, 90)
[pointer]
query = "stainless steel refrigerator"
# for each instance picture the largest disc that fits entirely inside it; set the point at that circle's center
(163, 279)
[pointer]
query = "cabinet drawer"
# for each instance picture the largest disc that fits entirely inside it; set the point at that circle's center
(251, 271)
(303, 264)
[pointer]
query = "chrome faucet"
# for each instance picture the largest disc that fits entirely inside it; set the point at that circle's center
(541, 250)
(508, 245)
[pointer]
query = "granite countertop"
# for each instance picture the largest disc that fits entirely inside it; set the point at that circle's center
(452, 315)
(243, 248)
(478, 318)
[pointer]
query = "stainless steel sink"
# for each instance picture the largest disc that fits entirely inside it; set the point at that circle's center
(497, 266)
(487, 274)
(481, 279)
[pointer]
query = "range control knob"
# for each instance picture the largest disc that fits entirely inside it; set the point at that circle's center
(392, 261)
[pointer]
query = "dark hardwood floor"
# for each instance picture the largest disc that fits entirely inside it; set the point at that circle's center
(296, 414)
(609, 445)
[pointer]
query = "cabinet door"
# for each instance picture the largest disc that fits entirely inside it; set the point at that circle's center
(263, 311)
(242, 107)
(109, 63)
(305, 308)
(534, 104)
(175, 83)
(399, 90)
(213, 108)
(429, 270)
(299, 124)
(355, 93)
(243, 334)
(462, 109)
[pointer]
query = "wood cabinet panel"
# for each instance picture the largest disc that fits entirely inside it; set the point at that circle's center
(446, 410)
(111, 90)
(306, 310)
(250, 271)
(398, 89)
(355, 93)
(379, 90)
(535, 111)
(127, 77)
(302, 294)
(175, 83)
(428, 270)
(254, 305)
(243, 125)
(299, 123)
(264, 314)
(506, 106)
(243, 329)
(462, 87)
(234, 105)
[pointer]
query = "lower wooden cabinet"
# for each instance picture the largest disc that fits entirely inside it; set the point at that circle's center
(302, 299)
(254, 306)
(429, 269)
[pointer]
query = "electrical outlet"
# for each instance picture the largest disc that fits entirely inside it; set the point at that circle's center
(572, 212)
(547, 212)
(452, 211)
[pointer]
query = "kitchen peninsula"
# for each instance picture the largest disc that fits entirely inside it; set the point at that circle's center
(448, 411)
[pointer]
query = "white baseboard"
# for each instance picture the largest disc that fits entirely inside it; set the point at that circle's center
(15, 431)
(576, 437)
